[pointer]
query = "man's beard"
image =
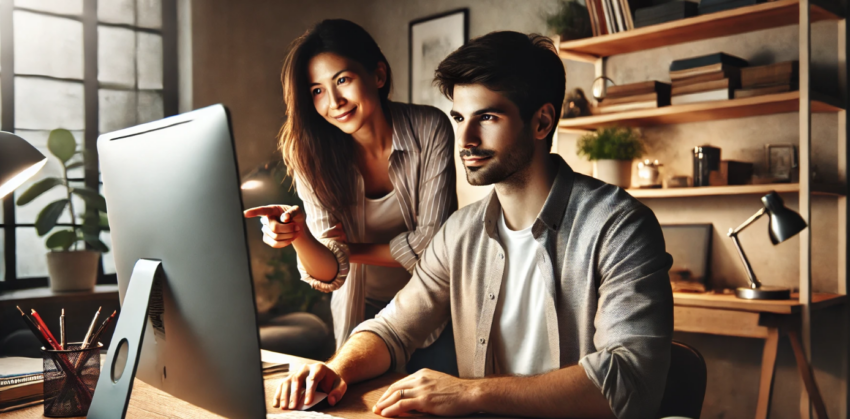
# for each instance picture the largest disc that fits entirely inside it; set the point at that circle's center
(502, 165)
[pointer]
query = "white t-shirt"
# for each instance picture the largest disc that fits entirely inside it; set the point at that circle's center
(520, 337)
(384, 221)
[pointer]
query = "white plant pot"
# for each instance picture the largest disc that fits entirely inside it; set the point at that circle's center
(615, 172)
(72, 270)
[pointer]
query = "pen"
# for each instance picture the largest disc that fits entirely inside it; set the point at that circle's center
(54, 344)
(62, 329)
(102, 327)
(91, 329)
(35, 329)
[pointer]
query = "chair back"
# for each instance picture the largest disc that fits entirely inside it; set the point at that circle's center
(685, 389)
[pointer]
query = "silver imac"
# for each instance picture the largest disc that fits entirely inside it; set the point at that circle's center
(175, 212)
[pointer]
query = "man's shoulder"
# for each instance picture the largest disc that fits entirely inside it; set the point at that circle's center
(468, 219)
(593, 197)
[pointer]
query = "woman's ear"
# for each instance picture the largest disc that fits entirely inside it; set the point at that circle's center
(381, 74)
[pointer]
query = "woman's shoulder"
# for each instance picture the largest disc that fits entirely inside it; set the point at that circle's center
(420, 115)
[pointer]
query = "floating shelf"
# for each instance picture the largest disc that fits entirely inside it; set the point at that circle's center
(817, 189)
(705, 111)
(730, 22)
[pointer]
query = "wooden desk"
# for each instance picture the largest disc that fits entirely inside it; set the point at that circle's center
(728, 315)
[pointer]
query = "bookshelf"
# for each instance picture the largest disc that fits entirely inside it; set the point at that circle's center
(705, 111)
(817, 189)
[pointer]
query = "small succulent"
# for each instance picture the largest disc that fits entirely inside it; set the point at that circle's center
(614, 143)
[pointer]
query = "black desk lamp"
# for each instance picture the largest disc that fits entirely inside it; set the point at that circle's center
(784, 224)
(19, 161)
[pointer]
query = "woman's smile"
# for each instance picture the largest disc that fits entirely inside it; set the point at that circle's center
(346, 116)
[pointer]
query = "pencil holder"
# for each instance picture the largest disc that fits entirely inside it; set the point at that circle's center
(70, 377)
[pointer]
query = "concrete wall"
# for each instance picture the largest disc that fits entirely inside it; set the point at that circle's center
(238, 47)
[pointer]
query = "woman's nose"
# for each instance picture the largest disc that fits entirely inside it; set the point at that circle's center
(336, 99)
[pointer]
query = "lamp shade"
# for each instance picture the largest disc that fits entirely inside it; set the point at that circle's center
(19, 161)
(784, 223)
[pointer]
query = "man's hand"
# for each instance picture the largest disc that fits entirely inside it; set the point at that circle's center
(282, 224)
(430, 392)
(300, 387)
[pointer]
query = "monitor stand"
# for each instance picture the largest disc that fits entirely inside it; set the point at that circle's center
(115, 384)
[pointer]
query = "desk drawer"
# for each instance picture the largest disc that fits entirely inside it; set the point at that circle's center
(718, 322)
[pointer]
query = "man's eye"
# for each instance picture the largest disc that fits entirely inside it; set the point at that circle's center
(487, 117)
(341, 80)
(316, 91)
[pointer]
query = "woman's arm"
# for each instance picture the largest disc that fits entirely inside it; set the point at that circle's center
(373, 254)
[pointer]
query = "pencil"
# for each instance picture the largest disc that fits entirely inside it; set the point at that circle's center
(62, 329)
(35, 330)
(102, 327)
(54, 344)
(91, 329)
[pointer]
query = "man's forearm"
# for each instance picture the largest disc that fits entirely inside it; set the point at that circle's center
(373, 254)
(317, 259)
(364, 356)
(565, 392)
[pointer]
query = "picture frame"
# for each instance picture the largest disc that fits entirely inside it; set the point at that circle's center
(782, 164)
(690, 247)
(430, 40)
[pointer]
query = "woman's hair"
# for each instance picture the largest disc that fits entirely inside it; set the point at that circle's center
(312, 148)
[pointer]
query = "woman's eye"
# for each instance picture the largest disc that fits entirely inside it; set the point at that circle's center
(316, 91)
(458, 119)
(341, 80)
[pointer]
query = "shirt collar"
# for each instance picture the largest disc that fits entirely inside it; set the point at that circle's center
(552, 213)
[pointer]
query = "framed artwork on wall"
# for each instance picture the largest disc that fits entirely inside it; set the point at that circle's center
(690, 246)
(431, 39)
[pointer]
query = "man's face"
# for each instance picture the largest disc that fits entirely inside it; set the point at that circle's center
(493, 140)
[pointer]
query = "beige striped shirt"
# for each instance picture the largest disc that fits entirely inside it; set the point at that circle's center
(422, 172)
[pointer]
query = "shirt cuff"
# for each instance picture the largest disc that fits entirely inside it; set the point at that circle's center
(379, 327)
(342, 253)
(402, 252)
(611, 374)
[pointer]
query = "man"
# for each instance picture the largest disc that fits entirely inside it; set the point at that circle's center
(556, 284)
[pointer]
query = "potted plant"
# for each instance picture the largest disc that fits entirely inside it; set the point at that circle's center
(71, 266)
(571, 21)
(612, 150)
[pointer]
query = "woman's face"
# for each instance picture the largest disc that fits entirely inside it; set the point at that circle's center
(344, 92)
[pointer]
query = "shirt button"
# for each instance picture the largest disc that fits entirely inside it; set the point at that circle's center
(492, 296)
(501, 255)
(482, 340)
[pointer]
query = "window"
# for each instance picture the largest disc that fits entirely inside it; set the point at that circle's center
(89, 66)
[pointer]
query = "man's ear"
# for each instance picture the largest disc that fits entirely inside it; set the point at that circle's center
(544, 121)
(381, 74)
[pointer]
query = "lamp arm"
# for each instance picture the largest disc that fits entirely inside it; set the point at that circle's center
(733, 234)
(747, 223)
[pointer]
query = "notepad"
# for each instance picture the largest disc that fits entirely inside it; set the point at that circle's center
(15, 366)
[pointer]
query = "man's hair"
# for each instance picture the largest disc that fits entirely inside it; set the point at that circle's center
(524, 68)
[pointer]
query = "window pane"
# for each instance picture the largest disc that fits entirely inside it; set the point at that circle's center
(66, 7)
(43, 104)
(117, 109)
(28, 213)
(31, 254)
(48, 46)
(149, 13)
(150, 107)
(116, 11)
(149, 60)
(116, 51)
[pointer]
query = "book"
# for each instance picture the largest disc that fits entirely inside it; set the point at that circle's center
(784, 72)
(594, 25)
(707, 96)
(606, 6)
(628, 99)
(627, 14)
(633, 106)
(19, 391)
(20, 403)
(618, 15)
(702, 87)
(17, 366)
(20, 379)
(700, 71)
(600, 17)
(760, 91)
(707, 60)
(730, 73)
(633, 89)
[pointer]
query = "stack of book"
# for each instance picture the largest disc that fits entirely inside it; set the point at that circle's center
(713, 6)
(706, 78)
(612, 16)
(665, 12)
(21, 382)
(768, 79)
(630, 97)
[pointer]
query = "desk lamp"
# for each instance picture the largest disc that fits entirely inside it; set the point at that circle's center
(784, 224)
(19, 161)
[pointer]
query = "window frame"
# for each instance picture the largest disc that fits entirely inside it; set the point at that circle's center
(91, 88)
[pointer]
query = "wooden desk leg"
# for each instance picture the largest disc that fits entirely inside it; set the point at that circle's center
(768, 367)
(807, 375)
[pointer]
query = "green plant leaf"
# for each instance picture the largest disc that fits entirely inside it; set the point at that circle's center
(46, 219)
(95, 243)
(62, 144)
(39, 188)
(611, 143)
(92, 198)
(104, 222)
(62, 239)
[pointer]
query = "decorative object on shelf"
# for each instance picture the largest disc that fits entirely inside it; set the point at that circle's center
(690, 247)
(599, 87)
(782, 164)
(768, 79)
(19, 161)
(665, 12)
(731, 172)
(576, 104)
(69, 270)
(705, 78)
(633, 96)
(706, 160)
(612, 150)
(571, 21)
(431, 39)
(649, 174)
(784, 224)
(678, 181)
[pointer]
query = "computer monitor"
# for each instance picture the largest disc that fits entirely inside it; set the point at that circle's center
(173, 196)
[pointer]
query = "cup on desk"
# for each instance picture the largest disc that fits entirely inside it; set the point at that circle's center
(68, 395)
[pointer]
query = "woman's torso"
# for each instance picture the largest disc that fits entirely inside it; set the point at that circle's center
(384, 221)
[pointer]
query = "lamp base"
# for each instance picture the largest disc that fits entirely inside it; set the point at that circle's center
(763, 293)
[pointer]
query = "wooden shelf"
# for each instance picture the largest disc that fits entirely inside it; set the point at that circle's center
(730, 302)
(730, 22)
(705, 111)
(817, 189)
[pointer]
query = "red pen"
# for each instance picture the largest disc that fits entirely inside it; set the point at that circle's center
(53, 342)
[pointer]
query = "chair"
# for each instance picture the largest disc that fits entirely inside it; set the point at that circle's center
(686, 379)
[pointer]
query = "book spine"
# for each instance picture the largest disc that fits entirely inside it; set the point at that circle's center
(600, 17)
(20, 380)
(594, 26)
(611, 27)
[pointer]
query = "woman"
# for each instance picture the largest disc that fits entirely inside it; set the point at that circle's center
(376, 177)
